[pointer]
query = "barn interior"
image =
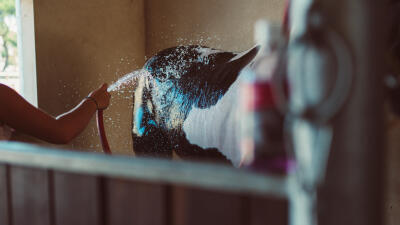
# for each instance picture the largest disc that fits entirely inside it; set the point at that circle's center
(81, 44)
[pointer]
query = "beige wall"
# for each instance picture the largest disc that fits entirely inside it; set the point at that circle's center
(220, 24)
(79, 45)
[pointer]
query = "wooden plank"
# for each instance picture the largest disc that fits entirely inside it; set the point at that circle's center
(30, 196)
(266, 211)
(198, 207)
(137, 203)
(76, 199)
(4, 192)
(202, 175)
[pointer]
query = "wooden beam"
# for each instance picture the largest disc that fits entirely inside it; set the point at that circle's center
(77, 199)
(4, 195)
(202, 175)
(266, 210)
(192, 206)
(31, 203)
(130, 202)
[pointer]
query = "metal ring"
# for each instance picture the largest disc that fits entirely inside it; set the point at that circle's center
(328, 107)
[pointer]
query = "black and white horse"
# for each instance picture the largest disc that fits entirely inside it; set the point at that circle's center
(189, 104)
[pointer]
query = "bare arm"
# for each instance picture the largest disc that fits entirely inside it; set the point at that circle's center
(16, 112)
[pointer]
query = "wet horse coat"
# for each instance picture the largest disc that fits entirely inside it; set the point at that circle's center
(191, 93)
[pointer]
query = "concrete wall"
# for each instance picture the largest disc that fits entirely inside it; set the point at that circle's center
(80, 45)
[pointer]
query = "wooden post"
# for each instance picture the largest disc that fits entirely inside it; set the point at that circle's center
(352, 189)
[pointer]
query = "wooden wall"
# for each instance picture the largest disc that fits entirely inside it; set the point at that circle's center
(40, 186)
(43, 197)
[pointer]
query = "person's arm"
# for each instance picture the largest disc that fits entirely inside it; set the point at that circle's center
(16, 112)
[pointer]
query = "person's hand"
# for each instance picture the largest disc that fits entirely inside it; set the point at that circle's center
(101, 96)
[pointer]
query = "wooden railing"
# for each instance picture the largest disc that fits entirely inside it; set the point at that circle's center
(48, 186)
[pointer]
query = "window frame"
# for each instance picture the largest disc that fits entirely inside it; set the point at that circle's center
(26, 50)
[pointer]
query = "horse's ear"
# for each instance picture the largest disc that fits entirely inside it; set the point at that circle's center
(229, 71)
(244, 58)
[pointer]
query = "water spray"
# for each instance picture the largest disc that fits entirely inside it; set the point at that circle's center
(123, 81)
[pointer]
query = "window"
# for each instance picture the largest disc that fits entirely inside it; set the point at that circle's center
(17, 47)
(9, 73)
